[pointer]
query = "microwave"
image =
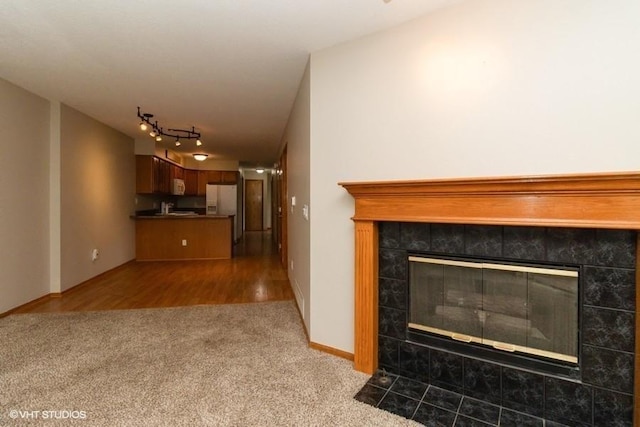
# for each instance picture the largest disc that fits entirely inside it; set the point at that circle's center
(178, 187)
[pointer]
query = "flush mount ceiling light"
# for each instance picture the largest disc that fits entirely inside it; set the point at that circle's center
(260, 170)
(158, 132)
(200, 157)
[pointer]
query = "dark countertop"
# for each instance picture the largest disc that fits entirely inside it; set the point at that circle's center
(180, 216)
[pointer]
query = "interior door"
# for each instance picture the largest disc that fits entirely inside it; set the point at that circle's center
(253, 202)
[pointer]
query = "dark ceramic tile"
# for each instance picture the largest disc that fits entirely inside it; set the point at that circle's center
(609, 328)
(480, 410)
(549, 423)
(523, 391)
(463, 421)
(607, 368)
(392, 323)
(432, 416)
(389, 235)
(415, 236)
(388, 350)
(445, 368)
(482, 380)
(410, 388)
(443, 398)
(447, 238)
(371, 395)
(392, 293)
(393, 264)
(517, 419)
(571, 245)
(415, 358)
(610, 287)
(616, 248)
(399, 405)
(568, 401)
(483, 240)
(525, 243)
(382, 379)
(612, 409)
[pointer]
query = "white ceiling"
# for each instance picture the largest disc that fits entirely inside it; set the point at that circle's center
(231, 68)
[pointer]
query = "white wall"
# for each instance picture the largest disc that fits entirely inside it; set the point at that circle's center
(97, 197)
(484, 88)
(296, 137)
(24, 196)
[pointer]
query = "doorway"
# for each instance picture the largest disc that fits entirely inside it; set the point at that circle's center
(253, 202)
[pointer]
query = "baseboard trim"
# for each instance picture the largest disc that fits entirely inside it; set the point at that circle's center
(331, 350)
(25, 305)
(61, 294)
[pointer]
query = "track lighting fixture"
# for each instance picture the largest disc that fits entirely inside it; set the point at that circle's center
(158, 132)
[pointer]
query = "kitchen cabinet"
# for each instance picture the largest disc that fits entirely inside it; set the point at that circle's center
(229, 177)
(161, 176)
(155, 176)
(177, 172)
(190, 182)
(202, 183)
(144, 174)
(176, 238)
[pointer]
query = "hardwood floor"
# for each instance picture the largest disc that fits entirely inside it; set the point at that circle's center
(253, 275)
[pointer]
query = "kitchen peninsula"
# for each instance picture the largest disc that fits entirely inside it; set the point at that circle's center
(183, 236)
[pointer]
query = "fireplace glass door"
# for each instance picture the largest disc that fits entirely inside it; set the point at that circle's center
(513, 308)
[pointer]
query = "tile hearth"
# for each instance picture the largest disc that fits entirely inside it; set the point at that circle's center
(433, 406)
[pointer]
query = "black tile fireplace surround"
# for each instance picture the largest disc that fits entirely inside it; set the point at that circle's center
(602, 393)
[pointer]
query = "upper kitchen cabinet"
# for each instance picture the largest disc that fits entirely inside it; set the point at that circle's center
(155, 176)
(229, 177)
(177, 172)
(152, 175)
(190, 182)
(202, 183)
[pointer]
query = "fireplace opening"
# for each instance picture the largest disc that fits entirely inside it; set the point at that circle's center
(498, 307)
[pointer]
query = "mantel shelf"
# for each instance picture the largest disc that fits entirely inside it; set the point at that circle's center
(588, 200)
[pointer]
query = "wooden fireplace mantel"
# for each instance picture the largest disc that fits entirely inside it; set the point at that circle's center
(603, 200)
(588, 201)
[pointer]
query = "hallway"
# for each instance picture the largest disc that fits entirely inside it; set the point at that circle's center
(253, 275)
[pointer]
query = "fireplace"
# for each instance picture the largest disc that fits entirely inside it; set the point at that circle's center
(509, 307)
(527, 220)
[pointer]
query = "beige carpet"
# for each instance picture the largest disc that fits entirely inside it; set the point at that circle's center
(231, 365)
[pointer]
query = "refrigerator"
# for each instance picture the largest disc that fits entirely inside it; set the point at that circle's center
(223, 200)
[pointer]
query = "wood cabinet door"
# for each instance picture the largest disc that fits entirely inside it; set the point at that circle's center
(202, 183)
(190, 182)
(177, 172)
(144, 174)
(214, 177)
(229, 177)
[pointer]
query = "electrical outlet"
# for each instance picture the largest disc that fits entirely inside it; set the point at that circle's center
(95, 254)
(184, 242)
(291, 264)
